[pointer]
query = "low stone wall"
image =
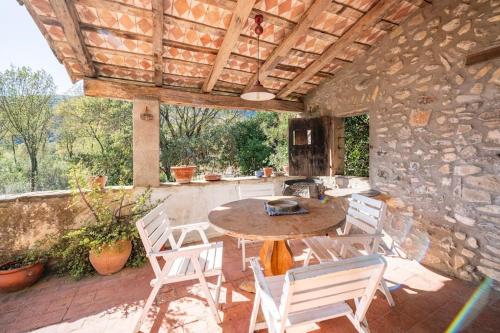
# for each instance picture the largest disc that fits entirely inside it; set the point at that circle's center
(30, 217)
(434, 133)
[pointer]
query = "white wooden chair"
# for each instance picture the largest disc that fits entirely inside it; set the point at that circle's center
(365, 214)
(181, 263)
(246, 191)
(315, 293)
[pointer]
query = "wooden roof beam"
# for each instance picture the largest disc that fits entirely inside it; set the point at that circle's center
(238, 20)
(128, 91)
(158, 42)
(298, 31)
(365, 22)
(67, 15)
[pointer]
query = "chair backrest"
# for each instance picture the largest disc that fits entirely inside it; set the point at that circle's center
(365, 213)
(155, 230)
(246, 191)
(310, 287)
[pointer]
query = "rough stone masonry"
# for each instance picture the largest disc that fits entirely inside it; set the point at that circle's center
(434, 133)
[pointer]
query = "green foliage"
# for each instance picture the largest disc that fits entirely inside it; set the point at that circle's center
(97, 132)
(25, 111)
(250, 142)
(113, 219)
(357, 149)
(26, 257)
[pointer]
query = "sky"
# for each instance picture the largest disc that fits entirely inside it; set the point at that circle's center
(22, 44)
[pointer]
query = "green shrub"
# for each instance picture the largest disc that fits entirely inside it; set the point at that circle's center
(357, 149)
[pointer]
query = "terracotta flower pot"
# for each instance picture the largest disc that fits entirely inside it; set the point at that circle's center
(99, 181)
(111, 258)
(285, 168)
(268, 171)
(213, 177)
(183, 174)
(19, 278)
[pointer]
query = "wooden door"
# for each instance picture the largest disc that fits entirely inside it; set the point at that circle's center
(308, 146)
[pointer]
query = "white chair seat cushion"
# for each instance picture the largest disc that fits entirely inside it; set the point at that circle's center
(210, 262)
(275, 284)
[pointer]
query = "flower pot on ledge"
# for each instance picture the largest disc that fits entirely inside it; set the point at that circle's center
(98, 181)
(184, 173)
(19, 278)
(211, 177)
(268, 171)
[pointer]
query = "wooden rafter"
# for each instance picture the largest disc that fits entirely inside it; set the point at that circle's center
(483, 55)
(127, 91)
(347, 39)
(67, 15)
(238, 20)
(158, 41)
(298, 31)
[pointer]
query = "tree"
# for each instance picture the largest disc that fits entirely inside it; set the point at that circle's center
(357, 150)
(191, 135)
(250, 142)
(25, 104)
(97, 132)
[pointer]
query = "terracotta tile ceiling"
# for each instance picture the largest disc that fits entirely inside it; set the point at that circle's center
(118, 37)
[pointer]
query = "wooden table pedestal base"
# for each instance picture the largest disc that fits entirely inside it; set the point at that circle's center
(275, 257)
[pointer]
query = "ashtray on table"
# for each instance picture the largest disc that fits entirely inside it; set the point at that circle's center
(284, 207)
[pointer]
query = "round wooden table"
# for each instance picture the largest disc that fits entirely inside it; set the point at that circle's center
(248, 219)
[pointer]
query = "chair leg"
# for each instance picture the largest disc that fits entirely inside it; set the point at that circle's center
(207, 292)
(255, 311)
(147, 306)
(308, 257)
(361, 327)
(239, 242)
(220, 278)
(243, 255)
(387, 293)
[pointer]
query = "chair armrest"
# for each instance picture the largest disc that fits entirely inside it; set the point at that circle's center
(187, 228)
(182, 252)
(192, 226)
(355, 238)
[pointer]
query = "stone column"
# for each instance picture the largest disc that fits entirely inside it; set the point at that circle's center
(337, 146)
(146, 142)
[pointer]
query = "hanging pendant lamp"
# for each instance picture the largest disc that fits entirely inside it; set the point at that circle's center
(258, 93)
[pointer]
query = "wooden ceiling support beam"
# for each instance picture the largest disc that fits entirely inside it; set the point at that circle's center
(158, 42)
(298, 31)
(128, 91)
(67, 15)
(347, 39)
(483, 55)
(238, 20)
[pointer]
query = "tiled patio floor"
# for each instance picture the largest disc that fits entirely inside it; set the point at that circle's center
(425, 302)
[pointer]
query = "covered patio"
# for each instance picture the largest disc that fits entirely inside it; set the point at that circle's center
(427, 74)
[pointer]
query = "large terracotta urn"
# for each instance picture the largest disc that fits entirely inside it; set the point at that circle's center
(111, 258)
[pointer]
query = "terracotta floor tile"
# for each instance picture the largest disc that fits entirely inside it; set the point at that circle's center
(425, 302)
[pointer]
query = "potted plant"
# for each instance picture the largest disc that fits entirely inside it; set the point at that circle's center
(268, 171)
(107, 237)
(21, 271)
(98, 180)
(184, 172)
(212, 175)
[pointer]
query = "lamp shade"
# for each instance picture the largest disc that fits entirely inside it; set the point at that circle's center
(258, 93)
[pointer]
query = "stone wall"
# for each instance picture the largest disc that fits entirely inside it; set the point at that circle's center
(434, 133)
